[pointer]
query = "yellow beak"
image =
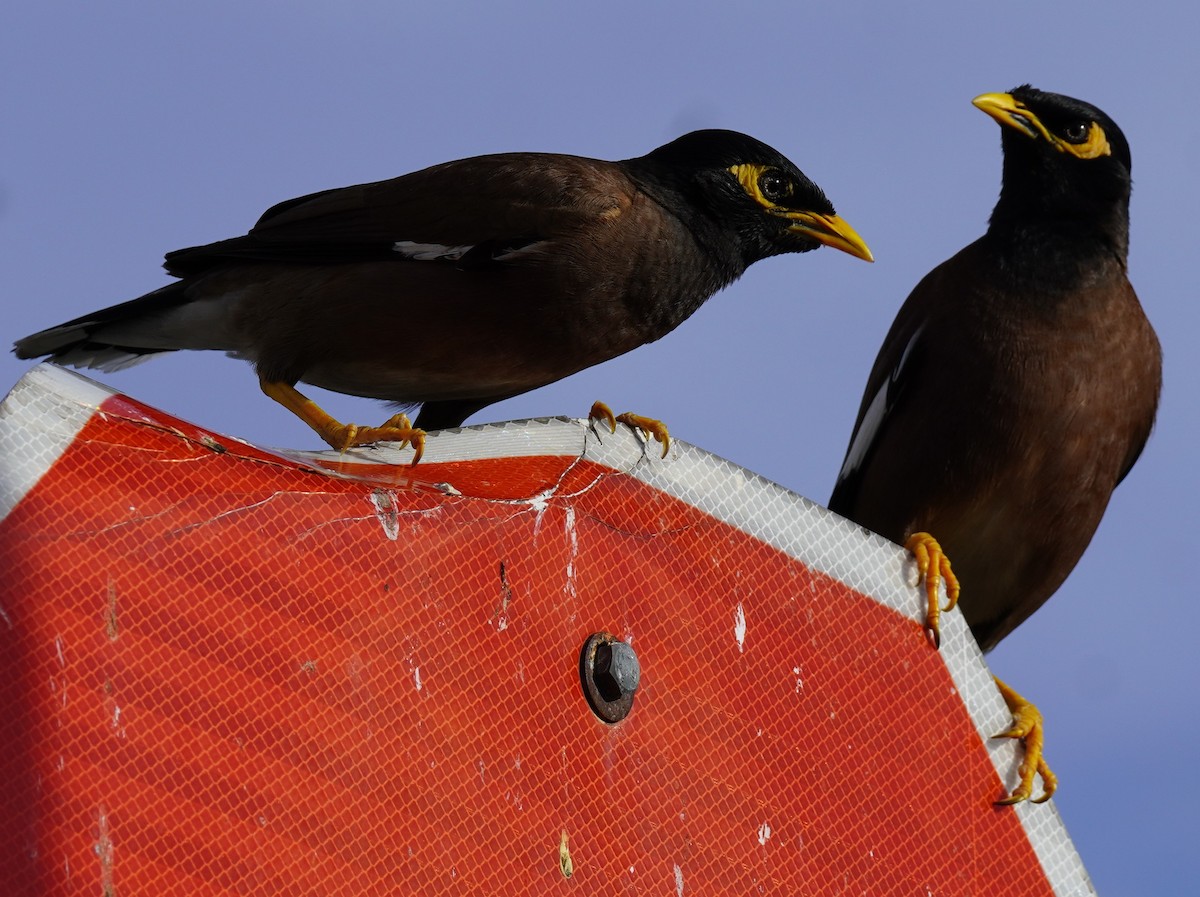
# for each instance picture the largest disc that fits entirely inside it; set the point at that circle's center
(831, 230)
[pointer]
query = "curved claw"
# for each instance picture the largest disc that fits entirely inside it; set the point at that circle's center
(934, 567)
(1028, 726)
(648, 427)
(600, 411)
(352, 435)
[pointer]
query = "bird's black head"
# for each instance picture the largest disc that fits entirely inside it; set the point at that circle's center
(734, 186)
(1062, 157)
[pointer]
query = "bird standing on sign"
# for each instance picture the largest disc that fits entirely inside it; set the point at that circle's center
(469, 282)
(1016, 388)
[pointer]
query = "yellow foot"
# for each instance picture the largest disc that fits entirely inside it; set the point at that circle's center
(396, 428)
(1028, 726)
(600, 411)
(647, 426)
(933, 566)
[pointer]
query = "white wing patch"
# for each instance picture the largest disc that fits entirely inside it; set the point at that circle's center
(868, 430)
(430, 252)
(434, 252)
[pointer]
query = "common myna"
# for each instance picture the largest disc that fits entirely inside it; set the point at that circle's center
(469, 282)
(1017, 386)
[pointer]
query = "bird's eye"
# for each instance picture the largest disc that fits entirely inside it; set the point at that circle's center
(775, 186)
(1076, 132)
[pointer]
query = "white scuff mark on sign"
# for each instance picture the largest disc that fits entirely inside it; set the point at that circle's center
(764, 833)
(106, 852)
(565, 864)
(417, 677)
(678, 881)
(230, 513)
(739, 626)
(539, 503)
(386, 510)
(573, 544)
(799, 679)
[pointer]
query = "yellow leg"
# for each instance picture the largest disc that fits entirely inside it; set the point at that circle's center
(1029, 727)
(934, 566)
(647, 426)
(343, 436)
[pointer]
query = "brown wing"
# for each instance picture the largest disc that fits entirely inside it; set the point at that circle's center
(895, 377)
(498, 202)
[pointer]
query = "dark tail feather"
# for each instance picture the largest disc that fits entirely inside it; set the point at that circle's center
(80, 342)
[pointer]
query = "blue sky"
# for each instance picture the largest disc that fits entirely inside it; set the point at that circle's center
(135, 128)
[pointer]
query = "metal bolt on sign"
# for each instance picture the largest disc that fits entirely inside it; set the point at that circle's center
(610, 673)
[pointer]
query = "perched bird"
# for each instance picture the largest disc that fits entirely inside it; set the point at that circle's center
(1017, 386)
(468, 282)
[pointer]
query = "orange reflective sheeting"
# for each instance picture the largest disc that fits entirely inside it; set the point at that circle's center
(230, 671)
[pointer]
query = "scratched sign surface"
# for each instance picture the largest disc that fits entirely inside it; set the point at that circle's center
(226, 670)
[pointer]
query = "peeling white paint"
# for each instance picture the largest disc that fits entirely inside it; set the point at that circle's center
(105, 851)
(539, 503)
(573, 543)
(387, 512)
(739, 626)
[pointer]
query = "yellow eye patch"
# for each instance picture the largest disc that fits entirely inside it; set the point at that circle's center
(750, 174)
(1095, 145)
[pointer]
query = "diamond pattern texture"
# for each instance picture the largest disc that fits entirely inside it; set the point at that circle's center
(230, 671)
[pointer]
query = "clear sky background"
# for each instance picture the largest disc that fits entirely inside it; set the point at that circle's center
(134, 128)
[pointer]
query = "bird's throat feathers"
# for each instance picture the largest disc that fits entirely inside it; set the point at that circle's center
(1051, 257)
